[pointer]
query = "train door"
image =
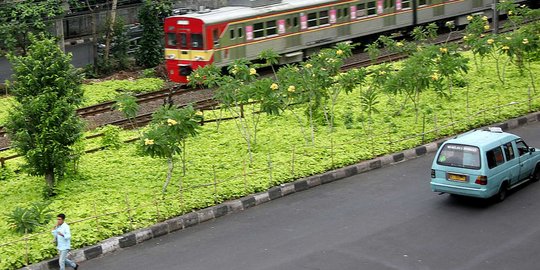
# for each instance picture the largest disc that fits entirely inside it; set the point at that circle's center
(183, 43)
(292, 27)
(216, 45)
(236, 35)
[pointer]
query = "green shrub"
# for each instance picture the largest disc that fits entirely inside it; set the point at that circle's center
(5, 173)
(149, 73)
(111, 137)
(348, 118)
(27, 220)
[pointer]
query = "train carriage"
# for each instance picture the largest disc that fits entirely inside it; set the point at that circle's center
(294, 28)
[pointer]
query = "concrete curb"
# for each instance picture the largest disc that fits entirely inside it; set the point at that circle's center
(241, 204)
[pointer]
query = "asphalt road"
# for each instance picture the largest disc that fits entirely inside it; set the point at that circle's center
(384, 219)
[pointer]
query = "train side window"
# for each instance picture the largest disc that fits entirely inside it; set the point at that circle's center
(171, 40)
(231, 33)
(422, 2)
(240, 32)
(371, 9)
(295, 22)
(339, 14)
(361, 10)
(258, 30)
(215, 37)
(288, 22)
(271, 28)
(323, 17)
(405, 4)
(346, 12)
(312, 19)
(196, 41)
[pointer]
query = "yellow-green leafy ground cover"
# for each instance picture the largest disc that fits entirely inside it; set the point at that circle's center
(109, 180)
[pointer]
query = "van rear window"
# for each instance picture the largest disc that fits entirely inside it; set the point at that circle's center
(459, 155)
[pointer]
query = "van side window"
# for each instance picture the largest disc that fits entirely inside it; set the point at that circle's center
(509, 151)
(522, 147)
(494, 157)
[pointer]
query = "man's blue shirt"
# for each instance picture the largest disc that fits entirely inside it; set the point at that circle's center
(63, 242)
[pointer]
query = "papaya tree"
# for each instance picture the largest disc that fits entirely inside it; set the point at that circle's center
(128, 106)
(167, 134)
(242, 95)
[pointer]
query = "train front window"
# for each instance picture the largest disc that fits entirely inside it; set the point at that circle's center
(171, 40)
(196, 41)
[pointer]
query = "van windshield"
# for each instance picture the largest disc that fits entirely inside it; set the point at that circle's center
(459, 155)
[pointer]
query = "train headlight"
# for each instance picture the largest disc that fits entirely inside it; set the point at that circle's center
(199, 58)
(170, 56)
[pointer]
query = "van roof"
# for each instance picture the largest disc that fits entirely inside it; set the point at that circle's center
(483, 139)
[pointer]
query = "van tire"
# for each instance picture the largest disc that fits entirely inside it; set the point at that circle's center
(503, 193)
(536, 174)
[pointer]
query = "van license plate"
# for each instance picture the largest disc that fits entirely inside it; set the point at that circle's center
(457, 177)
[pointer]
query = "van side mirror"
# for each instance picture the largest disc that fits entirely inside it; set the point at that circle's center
(532, 149)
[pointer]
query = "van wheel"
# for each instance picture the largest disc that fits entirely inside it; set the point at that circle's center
(503, 192)
(536, 174)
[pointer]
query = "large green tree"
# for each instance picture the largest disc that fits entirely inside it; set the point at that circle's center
(151, 15)
(20, 18)
(43, 124)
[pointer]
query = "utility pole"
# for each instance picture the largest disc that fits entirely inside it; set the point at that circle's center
(495, 17)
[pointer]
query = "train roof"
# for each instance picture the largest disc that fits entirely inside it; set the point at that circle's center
(232, 13)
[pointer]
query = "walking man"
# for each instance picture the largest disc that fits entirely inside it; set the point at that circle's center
(62, 237)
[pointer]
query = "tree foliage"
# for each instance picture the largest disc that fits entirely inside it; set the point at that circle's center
(43, 124)
(119, 46)
(18, 19)
(27, 220)
(151, 15)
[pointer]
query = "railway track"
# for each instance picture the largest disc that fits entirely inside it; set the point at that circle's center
(106, 107)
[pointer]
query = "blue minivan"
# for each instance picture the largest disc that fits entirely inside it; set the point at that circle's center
(484, 164)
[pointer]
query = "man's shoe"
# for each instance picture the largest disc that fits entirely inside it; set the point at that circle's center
(76, 267)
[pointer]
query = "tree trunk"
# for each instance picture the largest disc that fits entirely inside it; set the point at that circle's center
(49, 178)
(184, 157)
(110, 30)
(169, 174)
